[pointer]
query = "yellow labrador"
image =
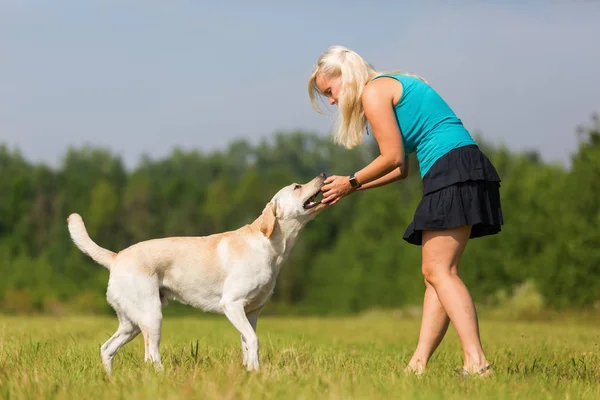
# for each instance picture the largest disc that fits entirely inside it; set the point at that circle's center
(231, 273)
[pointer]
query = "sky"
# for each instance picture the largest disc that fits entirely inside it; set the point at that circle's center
(144, 77)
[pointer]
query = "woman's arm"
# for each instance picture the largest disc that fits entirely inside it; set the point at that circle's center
(378, 101)
(395, 175)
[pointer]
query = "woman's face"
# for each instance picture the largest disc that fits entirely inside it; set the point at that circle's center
(330, 87)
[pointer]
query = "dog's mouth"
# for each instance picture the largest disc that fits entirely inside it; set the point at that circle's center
(312, 200)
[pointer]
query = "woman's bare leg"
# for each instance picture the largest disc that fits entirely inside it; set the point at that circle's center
(434, 325)
(442, 251)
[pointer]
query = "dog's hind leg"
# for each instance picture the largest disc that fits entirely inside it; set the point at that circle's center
(125, 333)
(149, 318)
(146, 350)
(151, 325)
(138, 296)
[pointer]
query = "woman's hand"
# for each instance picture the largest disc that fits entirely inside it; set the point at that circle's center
(335, 188)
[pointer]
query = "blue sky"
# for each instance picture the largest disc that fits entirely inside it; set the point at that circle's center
(146, 76)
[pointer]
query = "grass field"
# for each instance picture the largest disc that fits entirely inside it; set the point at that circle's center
(301, 358)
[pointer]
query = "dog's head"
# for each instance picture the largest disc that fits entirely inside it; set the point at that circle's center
(294, 205)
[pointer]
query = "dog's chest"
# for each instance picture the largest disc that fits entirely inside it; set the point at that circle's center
(261, 296)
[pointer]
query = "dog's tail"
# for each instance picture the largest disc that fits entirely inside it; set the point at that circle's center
(86, 244)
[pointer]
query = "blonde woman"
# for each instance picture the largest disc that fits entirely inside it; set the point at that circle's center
(461, 197)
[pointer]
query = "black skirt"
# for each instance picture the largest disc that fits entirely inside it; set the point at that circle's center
(461, 188)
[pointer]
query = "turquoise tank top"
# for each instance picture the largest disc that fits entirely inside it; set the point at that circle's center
(428, 125)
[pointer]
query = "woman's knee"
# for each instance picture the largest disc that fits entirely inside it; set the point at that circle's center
(430, 274)
(435, 272)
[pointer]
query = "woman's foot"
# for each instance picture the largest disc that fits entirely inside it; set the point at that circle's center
(414, 368)
(482, 372)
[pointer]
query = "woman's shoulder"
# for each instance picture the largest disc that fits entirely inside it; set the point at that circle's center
(391, 75)
(399, 75)
(376, 88)
(407, 81)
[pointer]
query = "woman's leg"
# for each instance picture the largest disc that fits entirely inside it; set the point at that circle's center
(434, 325)
(442, 251)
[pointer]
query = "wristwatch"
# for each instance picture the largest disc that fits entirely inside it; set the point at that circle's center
(353, 182)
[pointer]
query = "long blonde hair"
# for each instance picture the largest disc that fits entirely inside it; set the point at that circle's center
(356, 73)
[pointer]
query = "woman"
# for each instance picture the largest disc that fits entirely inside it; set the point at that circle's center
(461, 187)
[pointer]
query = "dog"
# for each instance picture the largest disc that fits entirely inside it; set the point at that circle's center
(231, 273)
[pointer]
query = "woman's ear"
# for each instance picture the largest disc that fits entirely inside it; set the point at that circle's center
(267, 224)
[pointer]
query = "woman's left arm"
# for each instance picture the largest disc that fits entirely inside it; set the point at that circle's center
(378, 102)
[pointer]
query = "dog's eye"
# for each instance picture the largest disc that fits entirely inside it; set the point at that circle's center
(297, 186)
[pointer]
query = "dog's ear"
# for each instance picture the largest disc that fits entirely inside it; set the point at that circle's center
(267, 224)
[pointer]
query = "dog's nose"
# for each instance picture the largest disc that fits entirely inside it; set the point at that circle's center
(323, 175)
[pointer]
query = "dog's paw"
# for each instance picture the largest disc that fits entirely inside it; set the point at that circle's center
(252, 366)
(158, 367)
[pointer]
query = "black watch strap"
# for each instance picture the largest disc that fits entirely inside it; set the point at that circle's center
(353, 182)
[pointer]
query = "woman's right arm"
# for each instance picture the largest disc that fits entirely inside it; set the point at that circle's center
(395, 175)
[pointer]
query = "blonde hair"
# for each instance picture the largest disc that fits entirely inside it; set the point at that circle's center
(356, 73)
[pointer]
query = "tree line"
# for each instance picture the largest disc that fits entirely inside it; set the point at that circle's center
(350, 258)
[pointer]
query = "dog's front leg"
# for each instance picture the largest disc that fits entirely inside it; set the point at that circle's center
(252, 317)
(234, 310)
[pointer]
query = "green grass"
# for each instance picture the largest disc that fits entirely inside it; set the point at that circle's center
(301, 358)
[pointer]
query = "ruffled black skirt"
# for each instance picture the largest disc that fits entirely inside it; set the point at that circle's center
(461, 188)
